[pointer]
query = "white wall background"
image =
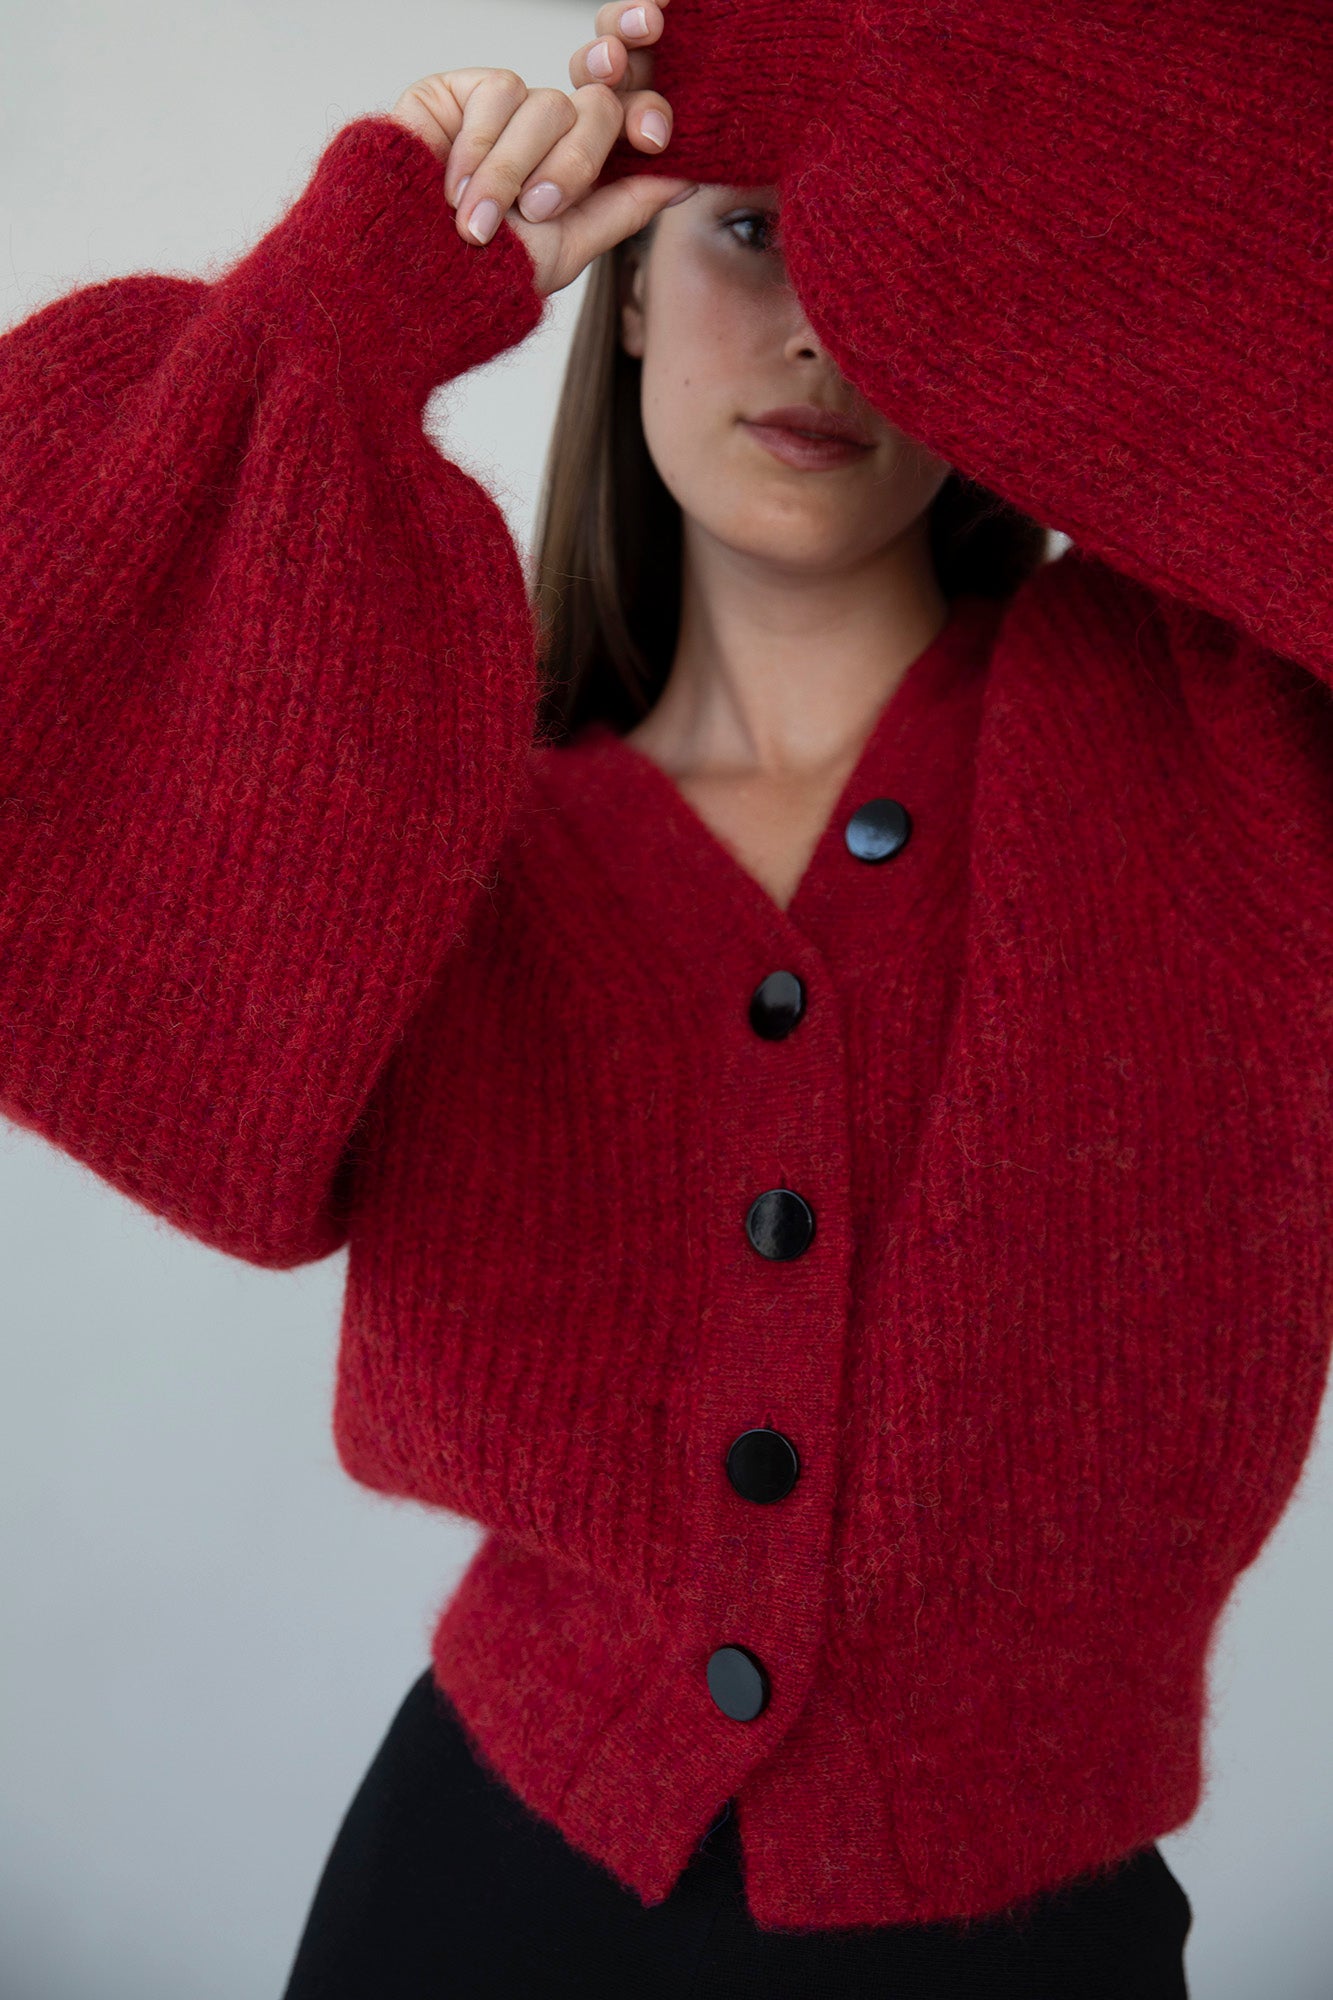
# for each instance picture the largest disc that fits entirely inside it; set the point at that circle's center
(206, 1625)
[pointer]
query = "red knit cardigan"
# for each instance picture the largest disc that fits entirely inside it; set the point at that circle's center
(305, 942)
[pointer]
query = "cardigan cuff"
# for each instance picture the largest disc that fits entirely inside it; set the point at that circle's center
(367, 267)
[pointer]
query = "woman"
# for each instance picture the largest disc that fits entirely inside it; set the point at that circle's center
(875, 1304)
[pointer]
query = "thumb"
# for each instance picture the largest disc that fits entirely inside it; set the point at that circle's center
(606, 217)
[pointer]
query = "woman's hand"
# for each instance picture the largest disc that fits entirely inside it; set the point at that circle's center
(502, 144)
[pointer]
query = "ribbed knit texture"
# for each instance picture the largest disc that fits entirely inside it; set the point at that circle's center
(303, 942)
(268, 688)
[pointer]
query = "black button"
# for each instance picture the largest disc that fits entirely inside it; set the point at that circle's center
(878, 829)
(737, 1683)
(762, 1465)
(776, 1005)
(780, 1224)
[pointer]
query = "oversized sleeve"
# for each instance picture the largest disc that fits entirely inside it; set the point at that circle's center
(1082, 250)
(267, 691)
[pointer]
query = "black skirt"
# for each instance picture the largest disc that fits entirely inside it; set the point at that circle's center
(443, 1885)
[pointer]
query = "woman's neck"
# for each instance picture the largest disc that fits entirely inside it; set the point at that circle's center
(780, 675)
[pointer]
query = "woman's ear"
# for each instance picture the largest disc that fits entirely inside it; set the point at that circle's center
(632, 276)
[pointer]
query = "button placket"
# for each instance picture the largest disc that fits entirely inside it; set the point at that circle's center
(762, 1464)
(763, 1611)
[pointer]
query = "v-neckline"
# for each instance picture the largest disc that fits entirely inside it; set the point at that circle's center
(952, 641)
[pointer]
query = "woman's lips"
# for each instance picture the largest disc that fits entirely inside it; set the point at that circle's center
(811, 454)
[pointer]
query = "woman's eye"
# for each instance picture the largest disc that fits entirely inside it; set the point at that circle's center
(765, 224)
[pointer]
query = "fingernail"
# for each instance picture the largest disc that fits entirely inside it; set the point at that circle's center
(634, 21)
(684, 195)
(457, 194)
(484, 219)
(654, 127)
(599, 59)
(540, 201)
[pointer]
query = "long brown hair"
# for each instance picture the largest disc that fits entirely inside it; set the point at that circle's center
(606, 571)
